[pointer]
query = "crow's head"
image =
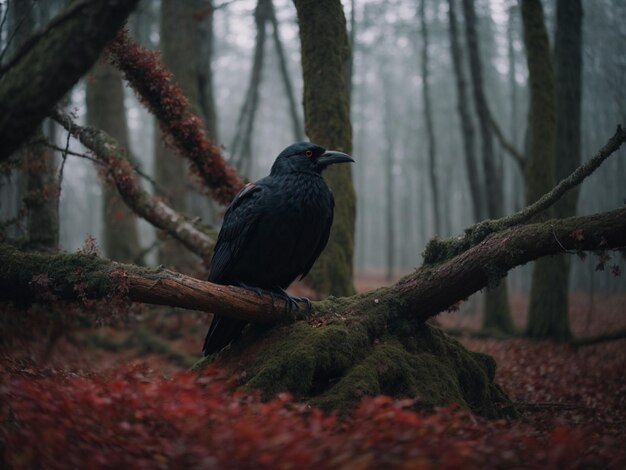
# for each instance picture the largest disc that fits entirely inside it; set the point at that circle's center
(306, 157)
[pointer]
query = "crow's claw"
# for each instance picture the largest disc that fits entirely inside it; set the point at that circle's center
(257, 290)
(292, 300)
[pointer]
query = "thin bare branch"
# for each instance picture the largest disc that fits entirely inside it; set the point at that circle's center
(119, 171)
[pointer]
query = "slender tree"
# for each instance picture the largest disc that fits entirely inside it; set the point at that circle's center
(204, 57)
(327, 123)
(568, 83)
(389, 161)
(105, 110)
(241, 147)
(465, 118)
(284, 74)
(497, 314)
(548, 313)
(178, 35)
(38, 162)
(428, 119)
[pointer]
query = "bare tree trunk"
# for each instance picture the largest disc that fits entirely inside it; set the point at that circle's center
(105, 110)
(178, 28)
(298, 132)
(200, 205)
(546, 317)
(428, 120)
(241, 147)
(327, 123)
(204, 71)
(497, 314)
(352, 44)
(390, 184)
(465, 118)
(568, 82)
(38, 162)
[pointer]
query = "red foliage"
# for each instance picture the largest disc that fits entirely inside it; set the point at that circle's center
(56, 419)
(156, 89)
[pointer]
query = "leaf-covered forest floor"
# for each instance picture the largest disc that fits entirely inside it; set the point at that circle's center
(120, 396)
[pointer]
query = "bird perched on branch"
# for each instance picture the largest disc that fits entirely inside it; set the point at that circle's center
(273, 231)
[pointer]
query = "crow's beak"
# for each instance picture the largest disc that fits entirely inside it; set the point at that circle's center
(330, 157)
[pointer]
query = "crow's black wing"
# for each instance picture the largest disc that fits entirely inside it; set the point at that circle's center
(239, 220)
(323, 239)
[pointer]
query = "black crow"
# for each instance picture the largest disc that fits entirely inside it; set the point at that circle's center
(273, 231)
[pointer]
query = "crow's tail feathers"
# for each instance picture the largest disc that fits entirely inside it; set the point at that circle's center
(221, 333)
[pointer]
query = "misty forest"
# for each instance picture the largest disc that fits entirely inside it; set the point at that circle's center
(464, 309)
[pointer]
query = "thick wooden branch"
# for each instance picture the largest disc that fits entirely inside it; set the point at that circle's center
(38, 277)
(119, 171)
(50, 64)
(441, 250)
(155, 87)
(430, 290)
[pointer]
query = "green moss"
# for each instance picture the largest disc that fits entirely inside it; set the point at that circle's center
(438, 251)
(67, 274)
(305, 360)
(336, 364)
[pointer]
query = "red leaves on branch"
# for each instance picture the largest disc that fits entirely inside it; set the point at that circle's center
(156, 89)
(132, 420)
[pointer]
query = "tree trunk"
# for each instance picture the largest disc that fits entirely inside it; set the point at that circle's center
(53, 61)
(327, 123)
(241, 147)
(500, 315)
(568, 78)
(105, 110)
(428, 120)
(467, 127)
(204, 70)
(390, 183)
(42, 189)
(298, 133)
(178, 36)
(200, 205)
(546, 315)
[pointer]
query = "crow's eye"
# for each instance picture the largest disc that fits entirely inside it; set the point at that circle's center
(309, 153)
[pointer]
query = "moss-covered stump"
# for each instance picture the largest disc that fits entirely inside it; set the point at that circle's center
(332, 365)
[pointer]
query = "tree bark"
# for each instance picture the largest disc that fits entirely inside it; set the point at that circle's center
(428, 121)
(39, 169)
(204, 71)
(327, 123)
(496, 305)
(105, 110)
(178, 37)
(241, 147)
(568, 82)
(53, 61)
(547, 317)
(298, 133)
(467, 127)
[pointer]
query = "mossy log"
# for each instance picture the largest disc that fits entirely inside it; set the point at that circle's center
(344, 348)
